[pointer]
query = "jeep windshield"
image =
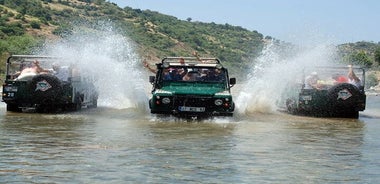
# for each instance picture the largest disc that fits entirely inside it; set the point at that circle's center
(190, 70)
(192, 74)
(16, 64)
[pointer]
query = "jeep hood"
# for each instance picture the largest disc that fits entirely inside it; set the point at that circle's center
(193, 89)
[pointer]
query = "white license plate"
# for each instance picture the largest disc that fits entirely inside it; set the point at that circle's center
(191, 109)
(307, 97)
(10, 88)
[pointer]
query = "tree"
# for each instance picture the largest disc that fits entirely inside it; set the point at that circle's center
(35, 25)
(377, 55)
(360, 58)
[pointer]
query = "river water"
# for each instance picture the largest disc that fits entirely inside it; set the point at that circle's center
(107, 145)
(121, 142)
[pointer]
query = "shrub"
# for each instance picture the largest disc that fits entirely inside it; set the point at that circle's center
(35, 25)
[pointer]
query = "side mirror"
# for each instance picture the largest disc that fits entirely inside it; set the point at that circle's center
(232, 81)
(152, 79)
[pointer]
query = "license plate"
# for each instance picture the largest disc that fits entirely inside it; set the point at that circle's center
(191, 109)
(10, 88)
(308, 97)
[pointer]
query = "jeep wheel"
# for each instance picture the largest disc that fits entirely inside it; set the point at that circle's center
(346, 114)
(94, 103)
(45, 88)
(291, 106)
(77, 105)
(13, 108)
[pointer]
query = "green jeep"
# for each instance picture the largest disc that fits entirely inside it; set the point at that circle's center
(191, 87)
(334, 93)
(28, 86)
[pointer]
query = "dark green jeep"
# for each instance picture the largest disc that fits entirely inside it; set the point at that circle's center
(30, 85)
(191, 87)
(328, 92)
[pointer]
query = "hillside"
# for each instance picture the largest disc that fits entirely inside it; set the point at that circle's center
(26, 24)
(155, 34)
(364, 53)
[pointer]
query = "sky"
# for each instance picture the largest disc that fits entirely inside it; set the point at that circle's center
(295, 21)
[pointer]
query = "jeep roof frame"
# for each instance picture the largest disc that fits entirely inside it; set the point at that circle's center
(190, 62)
(199, 60)
(31, 57)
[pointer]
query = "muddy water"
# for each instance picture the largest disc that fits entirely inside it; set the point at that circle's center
(108, 145)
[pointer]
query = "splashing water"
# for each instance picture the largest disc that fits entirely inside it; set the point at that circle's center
(112, 59)
(271, 73)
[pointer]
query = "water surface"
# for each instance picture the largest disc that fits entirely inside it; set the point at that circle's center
(108, 145)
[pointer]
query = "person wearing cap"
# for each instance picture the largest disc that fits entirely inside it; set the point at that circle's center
(311, 81)
(61, 72)
(340, 78)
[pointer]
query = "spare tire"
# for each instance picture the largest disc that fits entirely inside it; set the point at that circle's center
(343, 96)
(45, 89)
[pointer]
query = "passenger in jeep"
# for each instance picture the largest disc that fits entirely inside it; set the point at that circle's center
(191, 76)
(311, 81)
(177, 74)
(30, 70)
(352, 78)
(61, 72)
(339, 79)
(216, 75)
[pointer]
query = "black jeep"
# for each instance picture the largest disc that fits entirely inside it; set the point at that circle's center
(191, 87)
(28, 86)
(333, 93)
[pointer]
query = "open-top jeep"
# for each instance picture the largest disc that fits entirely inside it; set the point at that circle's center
(29, 85)
(334, 92)
(191, 87)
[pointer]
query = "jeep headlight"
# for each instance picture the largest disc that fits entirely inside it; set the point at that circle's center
(218, 102)
(165, 100)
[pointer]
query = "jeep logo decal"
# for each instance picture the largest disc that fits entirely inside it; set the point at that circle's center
(42, 86)
(344, 94)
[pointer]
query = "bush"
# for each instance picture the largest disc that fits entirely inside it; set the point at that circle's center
(371, 80)
(35, 25)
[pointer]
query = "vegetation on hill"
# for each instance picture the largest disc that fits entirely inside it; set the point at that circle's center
(361, 53)
(26, 24)
(156, 35)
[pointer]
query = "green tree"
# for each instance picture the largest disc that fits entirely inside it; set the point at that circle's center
(21, 44)
(360, 58)
(35, 25)
(377, 55)
(24, 44)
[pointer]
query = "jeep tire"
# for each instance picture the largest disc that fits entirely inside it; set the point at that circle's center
(344, 107)
(49, 95)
